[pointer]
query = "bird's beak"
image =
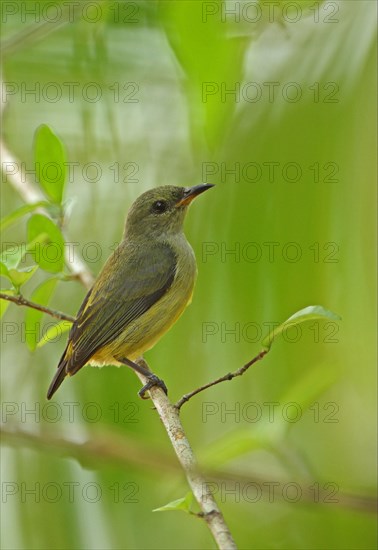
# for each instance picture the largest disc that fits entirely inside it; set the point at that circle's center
(191, 193)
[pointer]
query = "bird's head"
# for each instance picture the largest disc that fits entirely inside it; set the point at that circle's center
(161, 211)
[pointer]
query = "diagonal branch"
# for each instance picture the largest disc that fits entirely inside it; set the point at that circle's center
(169, 415)
(21, 301)
(185, 398)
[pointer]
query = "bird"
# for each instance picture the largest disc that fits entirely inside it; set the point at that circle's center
(143, 288)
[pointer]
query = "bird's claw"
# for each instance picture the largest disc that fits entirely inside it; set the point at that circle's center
(153, 380)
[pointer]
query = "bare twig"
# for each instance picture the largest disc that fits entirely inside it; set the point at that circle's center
(169, 415)
(21, 301)
(112, 448)
(185, 398)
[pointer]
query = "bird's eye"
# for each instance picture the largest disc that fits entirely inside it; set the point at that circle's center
(159, 207)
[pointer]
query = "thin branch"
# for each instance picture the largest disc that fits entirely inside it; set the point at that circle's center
(185, 398)
(111, 448)
(21, 301)
(169, 415)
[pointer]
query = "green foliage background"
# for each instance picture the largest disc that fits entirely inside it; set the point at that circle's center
(174, 134)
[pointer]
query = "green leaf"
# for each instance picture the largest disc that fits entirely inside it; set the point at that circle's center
(307, 314)
(5, 303)
(20, 277)
(48, 255)
(179, 504)
(41, 295)
(20, 212)
(13, 255)
(50, 161)
(54, 332)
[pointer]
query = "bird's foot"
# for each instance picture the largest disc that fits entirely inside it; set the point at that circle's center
(153, 380)
(143, 369)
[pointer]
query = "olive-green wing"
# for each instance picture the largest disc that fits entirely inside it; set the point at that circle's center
(131, 281)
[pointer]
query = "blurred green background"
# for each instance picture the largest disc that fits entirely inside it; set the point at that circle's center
(274, 103)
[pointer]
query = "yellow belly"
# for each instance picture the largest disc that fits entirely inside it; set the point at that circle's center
(126, 346)
(142, 334)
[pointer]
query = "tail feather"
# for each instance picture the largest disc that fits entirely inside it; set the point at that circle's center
(58, 378)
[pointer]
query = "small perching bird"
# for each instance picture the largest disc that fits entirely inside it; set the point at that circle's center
(143, 288)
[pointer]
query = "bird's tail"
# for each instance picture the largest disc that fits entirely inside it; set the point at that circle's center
(60, 375)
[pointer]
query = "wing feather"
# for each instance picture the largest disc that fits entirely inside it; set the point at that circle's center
(129, 284)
